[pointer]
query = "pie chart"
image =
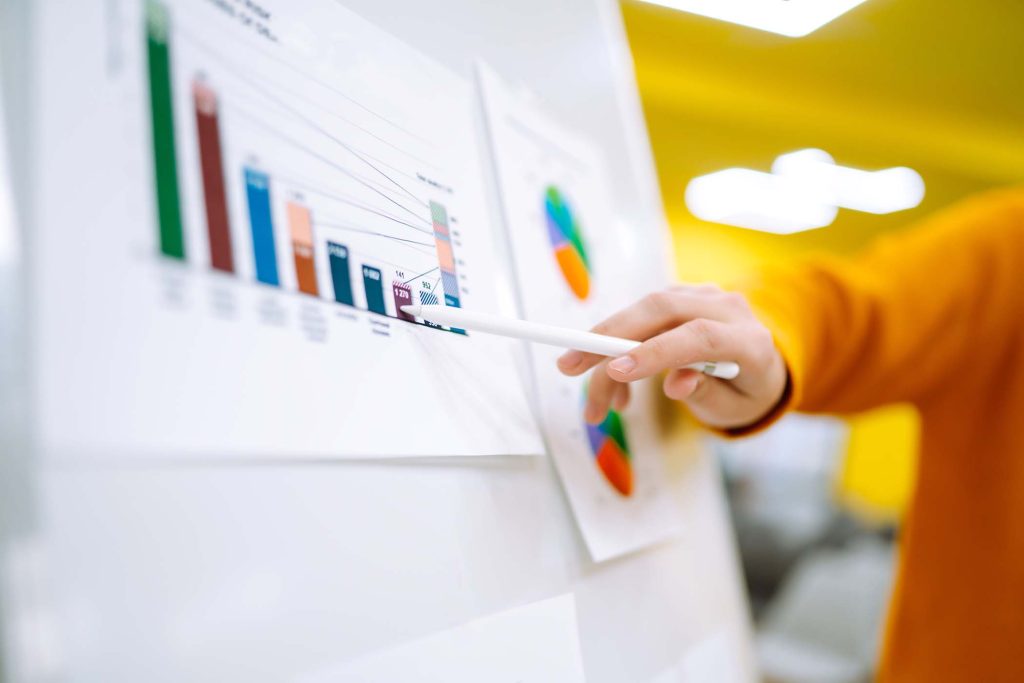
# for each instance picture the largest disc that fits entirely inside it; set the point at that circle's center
(611, 453)
(567, 242)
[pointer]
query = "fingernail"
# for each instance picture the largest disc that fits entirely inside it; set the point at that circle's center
(570, 359)
(593, 416)
(622, 365)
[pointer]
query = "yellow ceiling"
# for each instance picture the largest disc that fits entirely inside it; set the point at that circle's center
(937, 86)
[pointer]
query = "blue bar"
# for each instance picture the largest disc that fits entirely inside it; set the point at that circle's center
(450, 284)
(257, 190)
(340, 273)
(373, 283)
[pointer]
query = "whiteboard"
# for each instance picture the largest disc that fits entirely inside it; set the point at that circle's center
(268, 571)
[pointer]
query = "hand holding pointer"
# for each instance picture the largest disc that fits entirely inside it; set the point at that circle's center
(681, 326)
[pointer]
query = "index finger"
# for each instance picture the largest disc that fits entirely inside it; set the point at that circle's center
(697, 340)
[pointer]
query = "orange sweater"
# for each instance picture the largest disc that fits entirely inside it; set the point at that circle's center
(935, 317)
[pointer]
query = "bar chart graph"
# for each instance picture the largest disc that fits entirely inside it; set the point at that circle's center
(257, 206)
(364, 206)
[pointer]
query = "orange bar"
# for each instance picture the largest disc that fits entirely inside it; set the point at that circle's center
(301, 226)
(445, 255)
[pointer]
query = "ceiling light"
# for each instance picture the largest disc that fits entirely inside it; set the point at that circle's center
(884, 191)
(792, 18)
(756, 200)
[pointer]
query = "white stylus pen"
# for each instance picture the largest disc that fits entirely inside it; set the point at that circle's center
(548, 334)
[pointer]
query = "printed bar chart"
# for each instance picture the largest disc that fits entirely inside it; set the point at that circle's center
(165, 165)
(373, 284)
(301, 226)
(341, 276)
(403, 297)
(257, 192)
(215, 137)
(212, 168)
(213, 176)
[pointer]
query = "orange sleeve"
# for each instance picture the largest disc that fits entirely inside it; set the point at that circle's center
(906, 318)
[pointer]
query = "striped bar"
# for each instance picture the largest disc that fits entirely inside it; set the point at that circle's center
(429, 299)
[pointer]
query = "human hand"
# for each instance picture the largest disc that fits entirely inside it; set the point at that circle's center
(681, 325)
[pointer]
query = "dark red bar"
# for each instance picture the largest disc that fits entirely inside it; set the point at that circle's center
(213, 177)
(403, 297)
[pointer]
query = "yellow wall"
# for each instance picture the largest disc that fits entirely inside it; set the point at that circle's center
(878, 475)
(916, 83)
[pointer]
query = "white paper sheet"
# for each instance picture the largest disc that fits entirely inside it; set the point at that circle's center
(319, 170)
(536, 643)
(573, 264)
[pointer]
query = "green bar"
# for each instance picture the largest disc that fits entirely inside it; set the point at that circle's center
(172, 238)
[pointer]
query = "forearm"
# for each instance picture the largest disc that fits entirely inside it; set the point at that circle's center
(906, 318)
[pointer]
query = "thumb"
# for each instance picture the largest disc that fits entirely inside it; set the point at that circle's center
(679, 385)
(710, 400)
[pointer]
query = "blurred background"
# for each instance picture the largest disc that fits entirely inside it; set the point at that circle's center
(817, 502)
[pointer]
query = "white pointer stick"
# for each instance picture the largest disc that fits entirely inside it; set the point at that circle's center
(553, 336)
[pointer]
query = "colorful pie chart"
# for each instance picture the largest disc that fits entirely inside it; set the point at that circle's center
(567, 242)
(611, 452)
